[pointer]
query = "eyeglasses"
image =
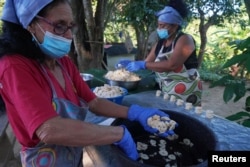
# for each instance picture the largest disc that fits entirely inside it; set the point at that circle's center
(59, 28)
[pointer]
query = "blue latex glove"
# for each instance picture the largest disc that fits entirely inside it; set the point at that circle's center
(141, 114)
(122, 63)
(128, 145)
(136, 65)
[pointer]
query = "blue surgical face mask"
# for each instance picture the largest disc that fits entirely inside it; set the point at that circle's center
(163, 33)
(53, 45)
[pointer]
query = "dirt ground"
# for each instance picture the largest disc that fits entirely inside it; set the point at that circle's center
(212, 98)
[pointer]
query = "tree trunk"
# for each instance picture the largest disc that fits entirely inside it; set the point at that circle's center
(203, 38)
(88, 41)
(143, 43)
(140, 55)
(95, 29)
(203, 28)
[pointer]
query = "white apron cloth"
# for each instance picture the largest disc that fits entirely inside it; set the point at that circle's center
(182, 83)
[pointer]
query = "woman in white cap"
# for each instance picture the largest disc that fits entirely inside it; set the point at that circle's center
(173, 58)
(45, 97)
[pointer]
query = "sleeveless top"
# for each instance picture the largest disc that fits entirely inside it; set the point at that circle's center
(184, 82)
(191, 62)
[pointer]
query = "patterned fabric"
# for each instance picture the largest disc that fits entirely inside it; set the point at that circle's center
(182, 83)
(67, 109)
(46, 155)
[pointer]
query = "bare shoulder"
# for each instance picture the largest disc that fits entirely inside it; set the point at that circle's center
(185, 39)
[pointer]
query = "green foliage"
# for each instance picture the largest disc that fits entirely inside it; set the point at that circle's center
(207, 75)
(242, 50)
(247, 104)
(236, 87)
(217, 53)
(219, 48)
(224, 50)
(129, 16)
(216, 11)
(141, 14)
(233, 87)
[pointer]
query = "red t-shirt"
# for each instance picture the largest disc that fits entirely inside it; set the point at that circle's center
(28, 95)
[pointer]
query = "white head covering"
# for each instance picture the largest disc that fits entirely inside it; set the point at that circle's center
(169, 15)
(22, 11)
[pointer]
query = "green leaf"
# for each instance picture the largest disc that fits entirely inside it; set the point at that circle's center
(234, 60)
(222, 81)
(228, 93)
(247, 104)
(239, 90)
(247, 63)
(244, 44)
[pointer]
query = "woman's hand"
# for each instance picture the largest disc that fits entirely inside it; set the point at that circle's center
(141, 114)
(128, 145)
(136, 65)
(122, 63)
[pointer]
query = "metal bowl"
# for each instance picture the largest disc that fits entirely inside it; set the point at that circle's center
(129, 85)
(87, 78)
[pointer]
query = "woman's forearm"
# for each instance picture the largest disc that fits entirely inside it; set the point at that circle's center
(70, 132)
(106, 108)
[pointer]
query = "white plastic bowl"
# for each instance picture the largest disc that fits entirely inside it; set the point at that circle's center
(117, 99)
